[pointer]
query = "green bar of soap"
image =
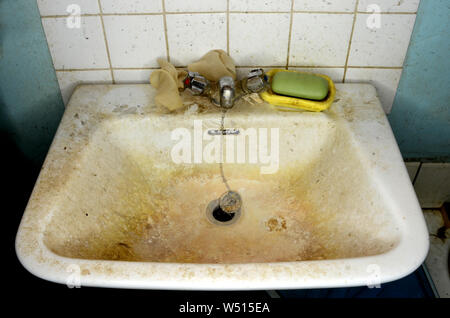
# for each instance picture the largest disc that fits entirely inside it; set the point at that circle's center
(301, 85)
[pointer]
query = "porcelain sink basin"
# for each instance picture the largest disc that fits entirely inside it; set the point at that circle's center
(126, 194)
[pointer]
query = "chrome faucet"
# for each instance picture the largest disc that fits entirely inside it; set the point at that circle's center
(224, 93)
(227, 92)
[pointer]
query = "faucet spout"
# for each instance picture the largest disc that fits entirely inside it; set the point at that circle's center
(227, 92)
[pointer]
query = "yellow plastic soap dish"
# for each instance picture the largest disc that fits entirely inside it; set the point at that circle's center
(293, 103)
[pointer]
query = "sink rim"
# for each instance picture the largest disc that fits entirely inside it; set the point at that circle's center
(403, 259)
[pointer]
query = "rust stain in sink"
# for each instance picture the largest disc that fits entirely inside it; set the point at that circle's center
(120, 198)
(123, 205)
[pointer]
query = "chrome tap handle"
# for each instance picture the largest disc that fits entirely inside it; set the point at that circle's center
(196, 83)
(256, 81)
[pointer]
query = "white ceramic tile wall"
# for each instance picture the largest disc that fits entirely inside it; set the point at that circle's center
(320, 39)
(385, 46)
(329, 5)
(258, 5)
(385, 80)
(191, 35)
(63, 7)
(132, 76)
(68, 81)
(125, 37)
(130, 6)
(135, 41)
(195, 5)
(390, 5)
(259, 39)
(76, 48)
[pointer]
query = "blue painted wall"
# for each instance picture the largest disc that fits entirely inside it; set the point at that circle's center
(420, 116)
(30, 101)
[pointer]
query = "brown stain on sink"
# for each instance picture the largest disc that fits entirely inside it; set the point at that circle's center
(276, 224)
(124, 205)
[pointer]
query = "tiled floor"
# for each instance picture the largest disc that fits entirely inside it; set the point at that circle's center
(431, 182)
(432, 186)
(437, 261)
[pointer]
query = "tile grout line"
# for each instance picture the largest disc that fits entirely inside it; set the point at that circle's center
(313, 66)
(351, 12)
(237, 66)
(228, 27)
(378, 67)
(106, 42)
(259, 12)
(166, 36)
(362, 12)
(81, 69)
(323, 12)
(216, 12)
(291, 18)
(59, 16)
(350, 40)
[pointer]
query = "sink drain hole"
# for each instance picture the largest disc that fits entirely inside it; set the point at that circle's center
(217, 216)
(222, 216)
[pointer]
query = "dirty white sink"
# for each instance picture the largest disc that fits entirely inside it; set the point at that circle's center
(113, 208)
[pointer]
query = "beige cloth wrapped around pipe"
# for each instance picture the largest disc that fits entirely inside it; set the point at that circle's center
(214, 65)
(168, 80)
